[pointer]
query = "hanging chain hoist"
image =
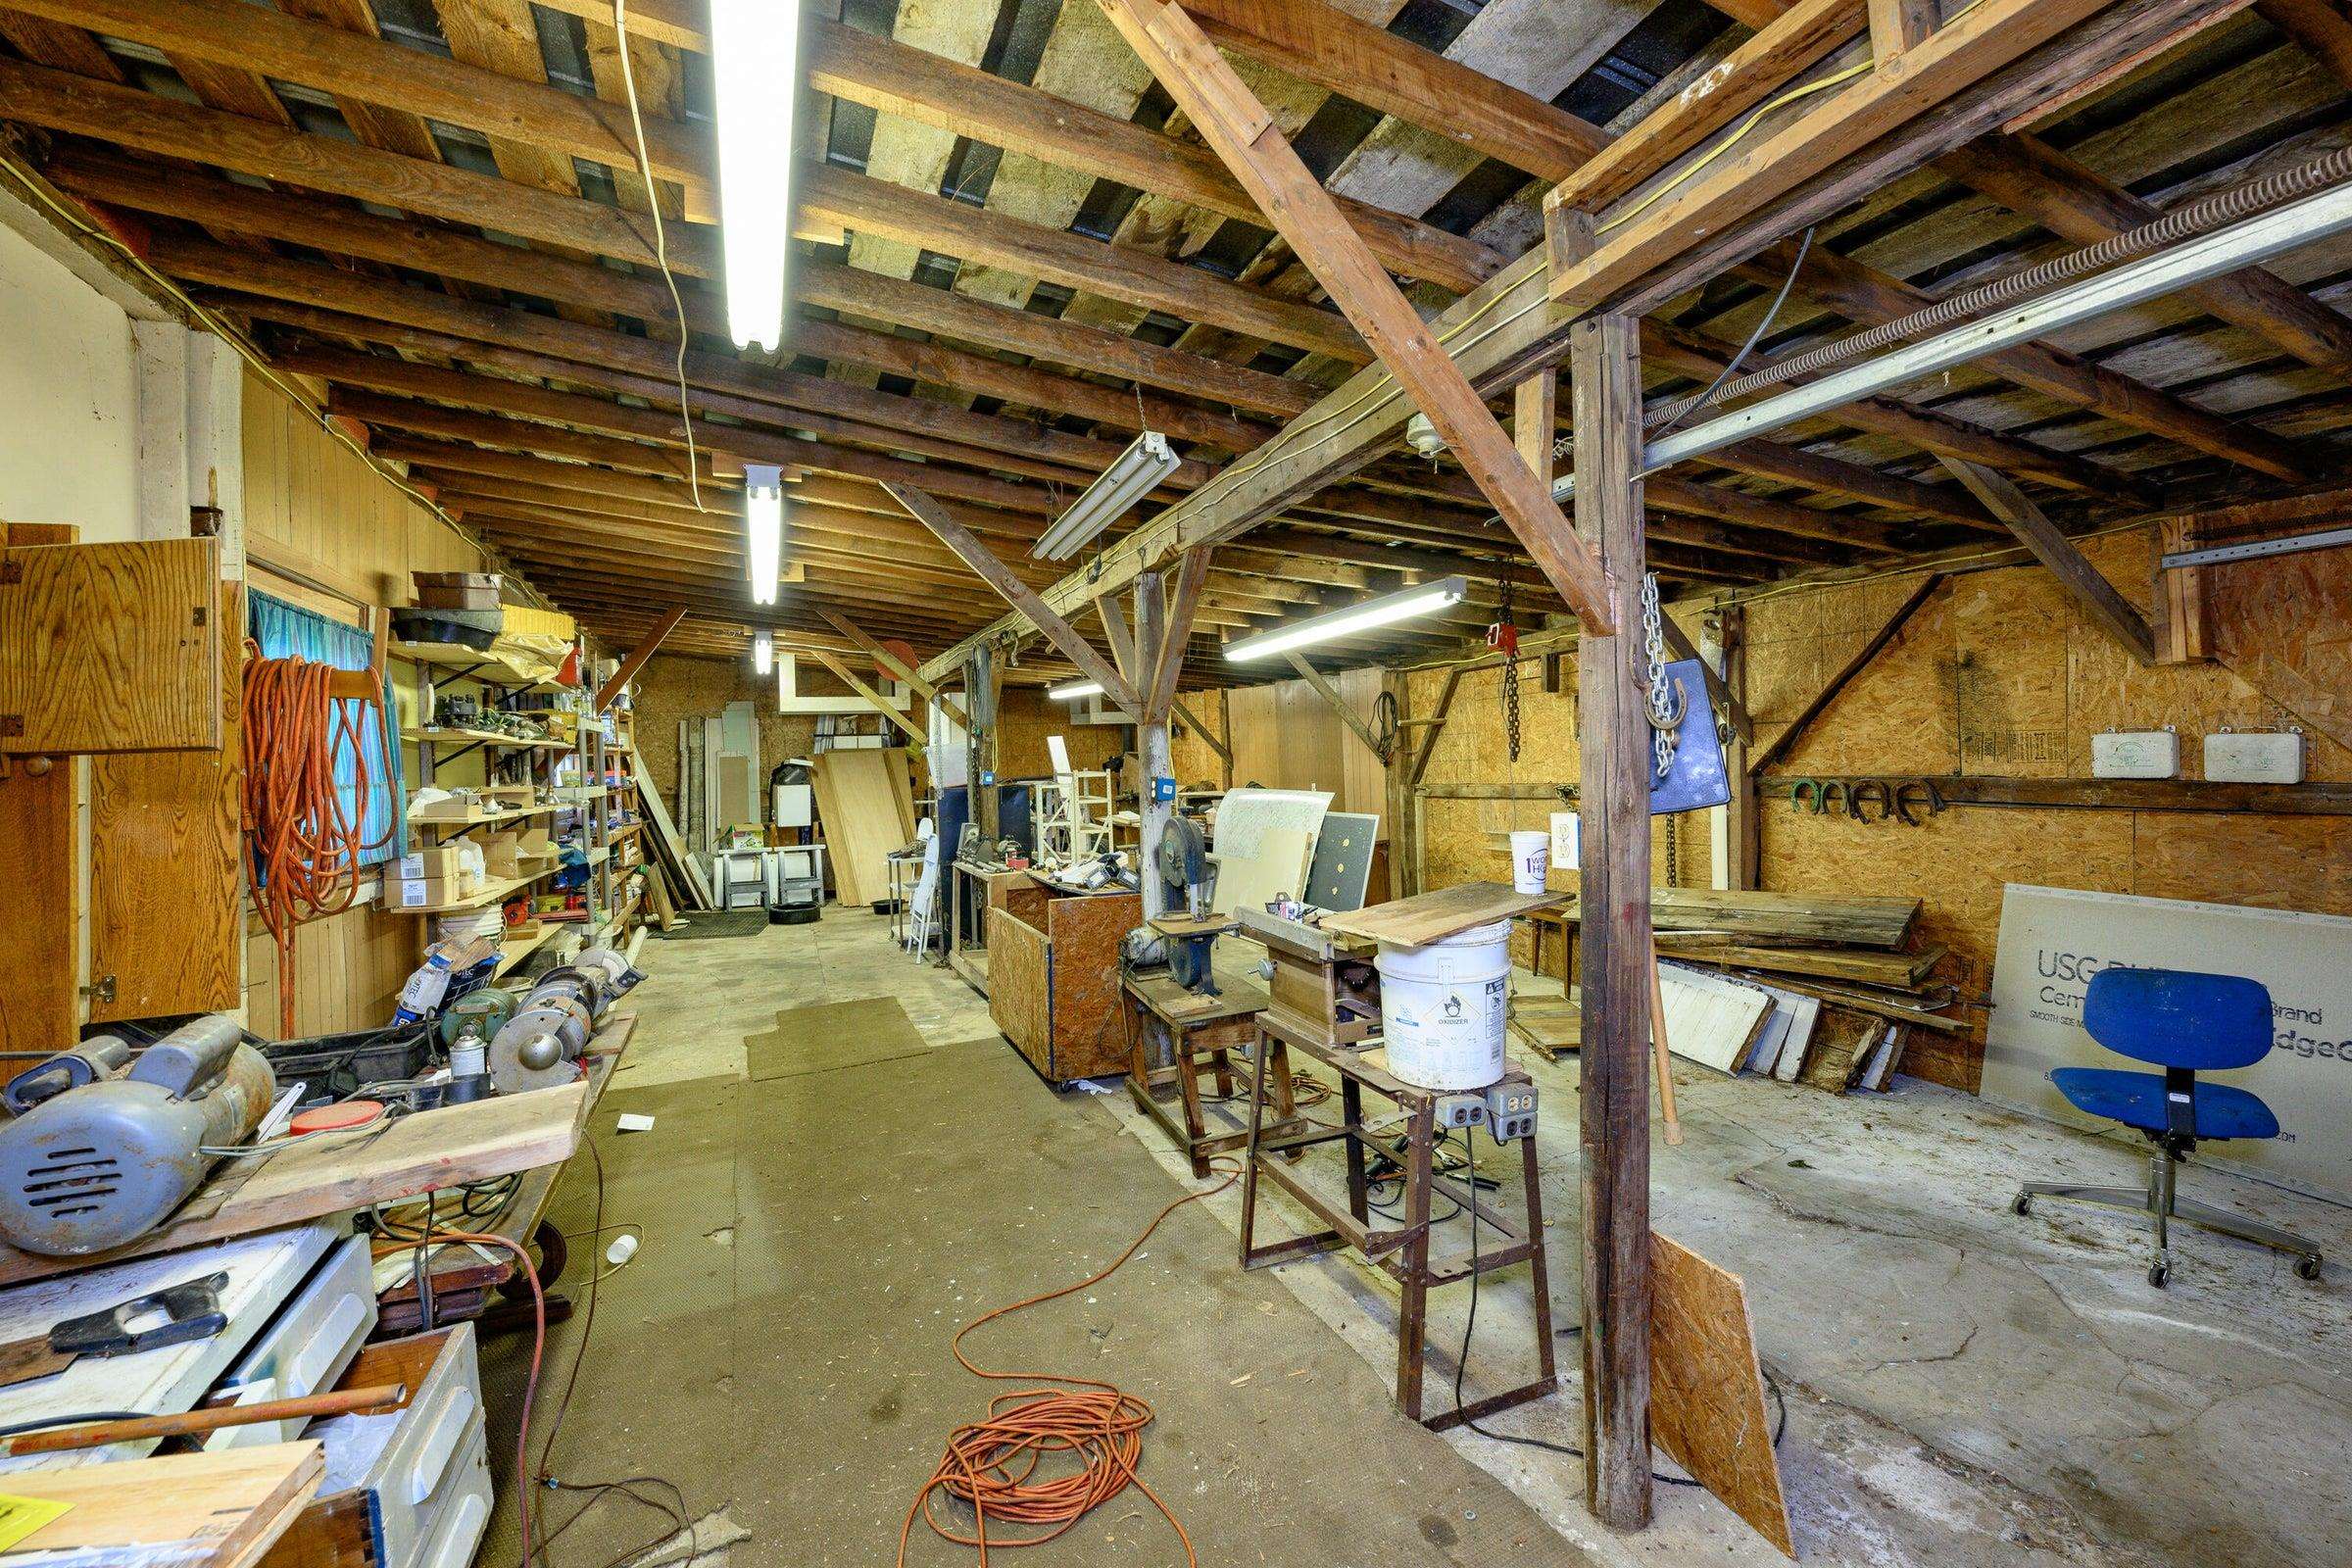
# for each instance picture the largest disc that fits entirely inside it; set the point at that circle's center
(1668, 703)
(1503, 637)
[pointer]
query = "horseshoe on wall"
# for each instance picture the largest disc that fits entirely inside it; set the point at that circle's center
(1869, 789)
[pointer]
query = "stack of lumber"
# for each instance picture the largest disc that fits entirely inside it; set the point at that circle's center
(674, 881)
(865, 807)
(1820, 990)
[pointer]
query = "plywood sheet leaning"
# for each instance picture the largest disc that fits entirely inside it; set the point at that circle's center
(1279, 867)
(865, 802)
(1710, 1019)
(1706, 1389)
(374, 1164)
(185, 1510)
(683, 872)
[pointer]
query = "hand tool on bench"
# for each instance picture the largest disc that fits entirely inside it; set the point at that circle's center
(190, 1312)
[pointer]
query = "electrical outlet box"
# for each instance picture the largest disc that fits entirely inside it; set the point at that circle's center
(2254, 757)
(1511, 1111)
(2135, 754)
(1461, 1110)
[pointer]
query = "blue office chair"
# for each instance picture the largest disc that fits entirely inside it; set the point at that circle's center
(2183, 1023)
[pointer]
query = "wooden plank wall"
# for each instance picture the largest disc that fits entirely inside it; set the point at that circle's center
(314, 510)
(1999, 677)
(1285, 736)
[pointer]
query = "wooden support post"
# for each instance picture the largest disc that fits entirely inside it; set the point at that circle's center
(1741, 847)
(1605, 377)
(1159, 683)
(1244, 134)
(1152, 633)
(629, 665)
(1016, 593)
(2182, 623)
(983, 680)
(849, 677)
(896, 667)
(2093, 593)
(1719, 691)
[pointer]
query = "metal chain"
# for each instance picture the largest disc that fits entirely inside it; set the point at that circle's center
(1667, 701)
(1510, 676)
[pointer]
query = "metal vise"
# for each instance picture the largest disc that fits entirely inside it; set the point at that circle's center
(99, 1155)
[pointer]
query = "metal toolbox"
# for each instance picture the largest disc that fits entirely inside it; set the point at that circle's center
(307, 1346)
(414, 1482)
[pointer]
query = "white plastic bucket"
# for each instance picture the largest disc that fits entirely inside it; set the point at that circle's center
(1531, 859)
(1443, 1008)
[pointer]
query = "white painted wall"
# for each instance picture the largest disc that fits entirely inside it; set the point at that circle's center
(69, 399)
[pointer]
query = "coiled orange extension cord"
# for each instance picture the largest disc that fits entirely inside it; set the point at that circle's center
(304, 840)
(988, 1463)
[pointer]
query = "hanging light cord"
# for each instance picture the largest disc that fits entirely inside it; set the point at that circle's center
(653, 204)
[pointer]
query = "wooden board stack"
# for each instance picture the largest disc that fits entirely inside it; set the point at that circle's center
(865, 804)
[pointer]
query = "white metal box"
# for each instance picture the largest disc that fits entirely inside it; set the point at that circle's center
(2135, 754)
(2254, 757)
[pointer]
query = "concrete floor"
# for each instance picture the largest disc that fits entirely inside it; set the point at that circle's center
(1963, 1386)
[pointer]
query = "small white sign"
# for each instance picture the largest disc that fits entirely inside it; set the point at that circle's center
(634, 1122)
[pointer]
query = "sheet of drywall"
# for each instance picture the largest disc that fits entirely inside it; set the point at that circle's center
(2053, 940)
(1264, 837)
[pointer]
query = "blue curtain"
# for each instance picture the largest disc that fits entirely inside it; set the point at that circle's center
(289, 631)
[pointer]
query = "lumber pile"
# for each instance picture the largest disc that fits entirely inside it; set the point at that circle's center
(1821, 990)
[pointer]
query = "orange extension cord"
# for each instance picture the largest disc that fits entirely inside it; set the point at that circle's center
(305, 843)
(988, 1463)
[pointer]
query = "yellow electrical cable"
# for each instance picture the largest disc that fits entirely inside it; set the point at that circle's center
(652, 202)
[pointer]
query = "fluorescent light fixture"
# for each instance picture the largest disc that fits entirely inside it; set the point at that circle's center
(1131, 476)
(1075, 690)
(763, 652)
(1401, 604)
(763, 527)
(755, 77)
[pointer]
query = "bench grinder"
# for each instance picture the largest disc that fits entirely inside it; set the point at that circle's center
(541, 1045)
(106, 1144)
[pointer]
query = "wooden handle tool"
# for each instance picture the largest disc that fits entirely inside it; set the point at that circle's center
(1657, 1039)
(197, 1423)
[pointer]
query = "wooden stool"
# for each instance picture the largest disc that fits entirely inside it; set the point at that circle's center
(1204, 1032)
(1401, 1250)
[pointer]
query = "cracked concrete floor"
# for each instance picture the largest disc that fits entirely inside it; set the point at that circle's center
(1963, 1386)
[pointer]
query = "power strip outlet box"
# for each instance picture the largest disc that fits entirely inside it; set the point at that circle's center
(2135, 754)
(2254, 757)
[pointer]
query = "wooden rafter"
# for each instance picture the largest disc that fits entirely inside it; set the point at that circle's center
(2092, 592)
(849, 678)
(1244, 135)
(1057, 631)
(635, 661)
(896, 667)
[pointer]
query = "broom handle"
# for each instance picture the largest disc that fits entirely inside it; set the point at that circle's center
(1658, 1037)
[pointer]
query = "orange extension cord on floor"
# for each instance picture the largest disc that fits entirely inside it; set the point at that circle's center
(988, 1463)
(304, 840)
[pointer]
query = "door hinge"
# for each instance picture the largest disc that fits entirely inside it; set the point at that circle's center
(101, 991)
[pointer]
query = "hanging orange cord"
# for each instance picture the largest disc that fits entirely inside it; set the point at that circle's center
(303, 837)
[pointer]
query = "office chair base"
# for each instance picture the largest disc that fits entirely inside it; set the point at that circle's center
(2161, 1203)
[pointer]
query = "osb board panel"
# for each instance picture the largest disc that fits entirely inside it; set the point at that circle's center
(1088, 1040)
(2285, 625)
(1017, 972)
(165, 886)
(1026, 716)
(1706, 1389)
(675, 686)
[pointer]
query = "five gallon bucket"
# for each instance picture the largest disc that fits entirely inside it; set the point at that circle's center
(1442, 1007)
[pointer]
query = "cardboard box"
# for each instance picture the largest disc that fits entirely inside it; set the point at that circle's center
(423, 893)
(443, 863)
(456, 590)
(502, 858)
(533, 843)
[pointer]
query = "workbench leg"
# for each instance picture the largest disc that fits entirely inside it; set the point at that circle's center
(1412, 1321)
(1188, 1083)
(1257, 1121)
(1285, 1093)
(1539, 1278)
(1351, 1110)
(1223, 1063)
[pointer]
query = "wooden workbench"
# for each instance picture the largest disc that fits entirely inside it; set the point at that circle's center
(1053, 974)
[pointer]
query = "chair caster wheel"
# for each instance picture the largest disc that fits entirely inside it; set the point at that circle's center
(2021, 1204)
(2158, 1273)
(2307, 1267)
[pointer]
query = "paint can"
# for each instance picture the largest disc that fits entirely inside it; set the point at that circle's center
(1443, 1008)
